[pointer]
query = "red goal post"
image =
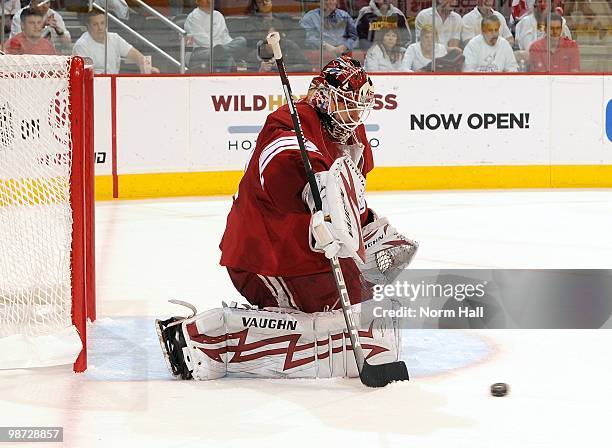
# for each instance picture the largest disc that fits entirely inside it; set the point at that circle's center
(47, 266)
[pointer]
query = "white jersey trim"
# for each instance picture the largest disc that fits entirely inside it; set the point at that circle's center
(280, 291)
(276, 147)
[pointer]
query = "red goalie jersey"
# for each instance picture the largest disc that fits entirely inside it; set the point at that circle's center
(267, 227)
(266, 245)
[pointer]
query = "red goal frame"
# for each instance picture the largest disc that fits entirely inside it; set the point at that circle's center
(82, 199)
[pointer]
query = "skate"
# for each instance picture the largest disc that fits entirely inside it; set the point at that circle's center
(173, 342)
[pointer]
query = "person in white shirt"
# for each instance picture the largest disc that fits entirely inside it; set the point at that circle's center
(119, 8)
(532, 26)
(91, 45)
(447, 26)
(225, 49)
(489, 52)
(11, 7)
(386, 54)
(53, 24)
(420, 54)
(470, 23)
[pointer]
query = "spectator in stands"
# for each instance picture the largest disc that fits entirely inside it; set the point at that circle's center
(118, 7)
(448, 23)
(262, 58)
(262, 19)
(30, 40)
(421, 53)
(11, 7)
(381, 15)
(53, 24)
(226, 50)
(489, 52)
(470, 23)
(91, 45)
(564, 53)
(262, 22)
(533, 25)
(518, 10)
(386, 54)
(339, 32)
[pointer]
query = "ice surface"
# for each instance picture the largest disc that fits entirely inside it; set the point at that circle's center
(152, 251)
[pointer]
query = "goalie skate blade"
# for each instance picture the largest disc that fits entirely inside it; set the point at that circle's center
(383, 374)
(159, 329)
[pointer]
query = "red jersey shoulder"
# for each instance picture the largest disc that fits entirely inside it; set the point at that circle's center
(281, 120)
(278, 130)
(279, 125)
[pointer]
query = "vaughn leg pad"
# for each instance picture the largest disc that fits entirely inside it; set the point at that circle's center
(274, 343)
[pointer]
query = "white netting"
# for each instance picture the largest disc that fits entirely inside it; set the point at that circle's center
(35, 212)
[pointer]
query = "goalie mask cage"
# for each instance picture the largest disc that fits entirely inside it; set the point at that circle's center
(46, 211)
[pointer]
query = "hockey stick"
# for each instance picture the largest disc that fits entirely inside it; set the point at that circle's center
(371, 375)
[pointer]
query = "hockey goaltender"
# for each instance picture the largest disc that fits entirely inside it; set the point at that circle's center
(276, 248)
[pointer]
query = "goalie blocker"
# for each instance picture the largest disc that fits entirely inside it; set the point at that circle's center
(379, 251)
(271, 343)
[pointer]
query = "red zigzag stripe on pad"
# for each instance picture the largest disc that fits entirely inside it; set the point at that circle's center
(239, 355)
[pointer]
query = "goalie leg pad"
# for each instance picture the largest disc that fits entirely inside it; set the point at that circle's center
(277, 343)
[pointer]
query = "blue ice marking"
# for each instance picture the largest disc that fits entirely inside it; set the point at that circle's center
(127, 349)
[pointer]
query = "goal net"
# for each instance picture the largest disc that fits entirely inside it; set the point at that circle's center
(46, 210)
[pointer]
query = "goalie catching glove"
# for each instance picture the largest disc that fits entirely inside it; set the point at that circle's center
(387, 252)
(336, 230)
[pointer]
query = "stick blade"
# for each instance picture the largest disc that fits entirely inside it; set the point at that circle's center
(382, 374)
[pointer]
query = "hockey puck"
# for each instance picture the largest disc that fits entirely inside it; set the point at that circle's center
(499, 389)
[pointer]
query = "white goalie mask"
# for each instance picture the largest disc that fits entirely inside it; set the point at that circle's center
(344, 94)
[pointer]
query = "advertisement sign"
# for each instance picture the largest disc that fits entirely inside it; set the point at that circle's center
(473, 120)
(194, 135)
(211, 124)
(102, 127)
